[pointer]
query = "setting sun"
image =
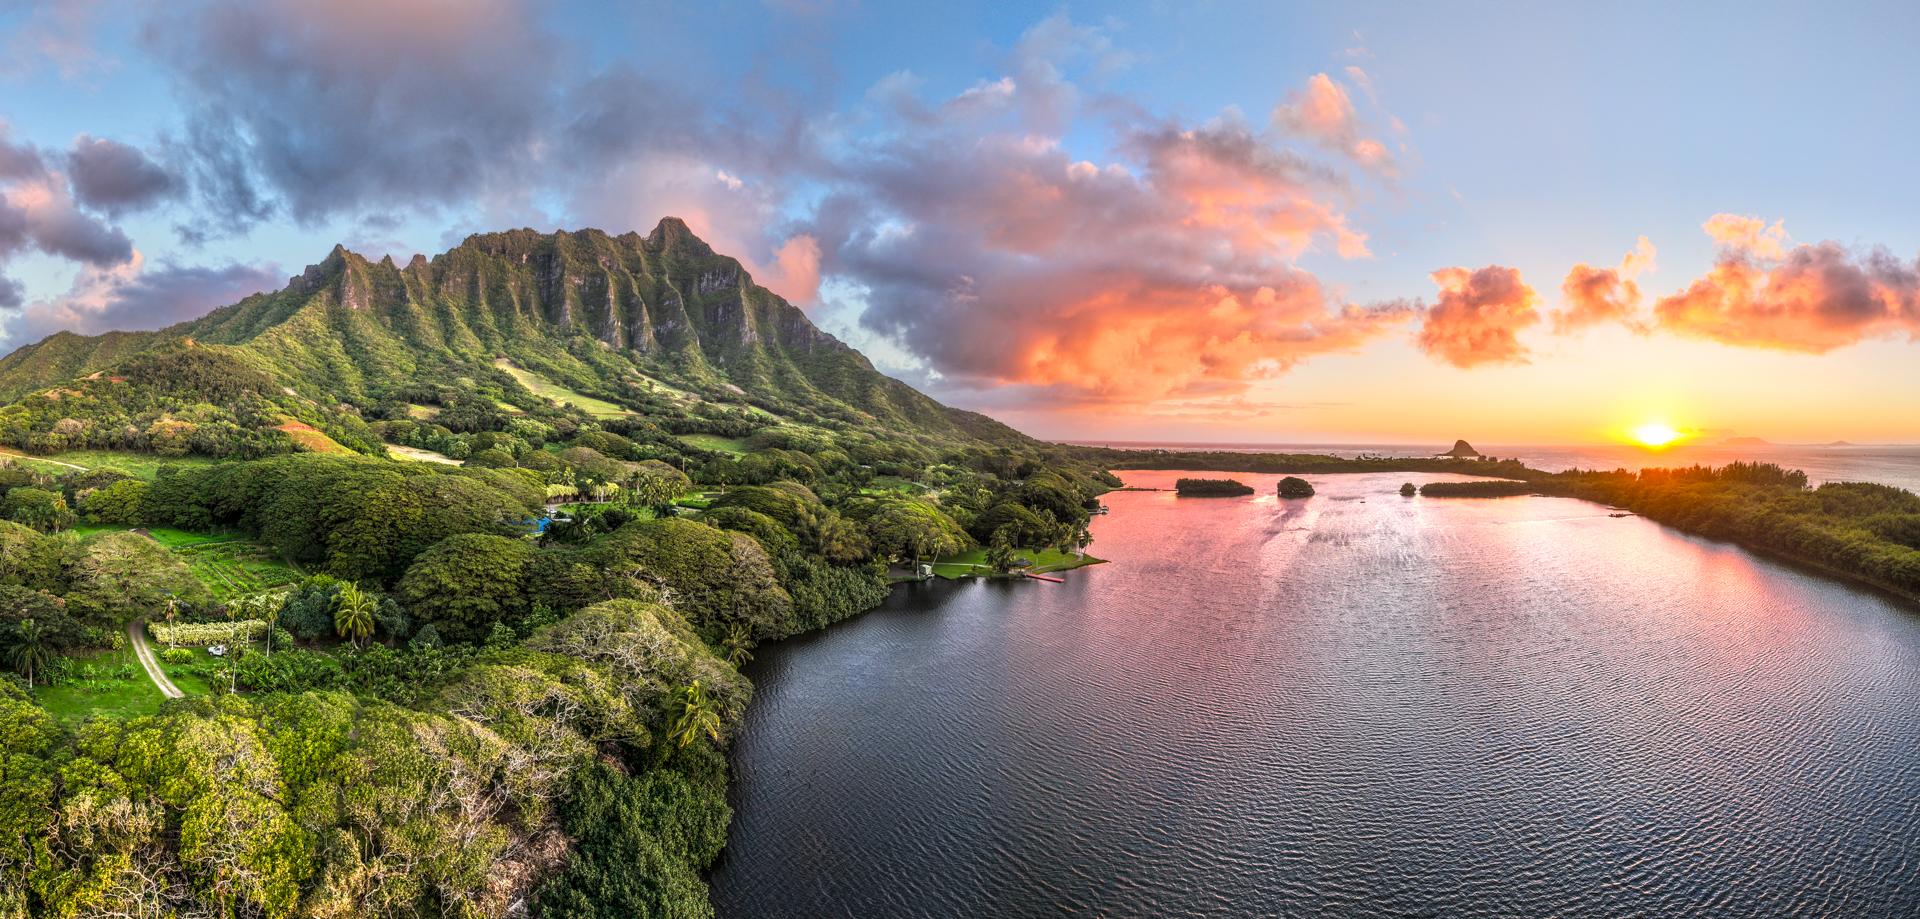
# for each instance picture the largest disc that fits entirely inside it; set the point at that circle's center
(1655, 434)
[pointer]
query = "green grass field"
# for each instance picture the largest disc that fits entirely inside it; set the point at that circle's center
(112, 683)
(973, 562)
(716, 443)
(140, 465)
(545, 388)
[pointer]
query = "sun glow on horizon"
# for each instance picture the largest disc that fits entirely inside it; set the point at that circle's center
(1656, 434)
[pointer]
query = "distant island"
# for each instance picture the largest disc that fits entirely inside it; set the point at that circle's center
(1211, 488)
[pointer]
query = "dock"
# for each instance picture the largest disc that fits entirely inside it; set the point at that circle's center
(1042, 577)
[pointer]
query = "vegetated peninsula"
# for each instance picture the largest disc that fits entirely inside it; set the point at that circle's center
(1489, 489)
(465, 557)
(426, 589)
(1211, 488)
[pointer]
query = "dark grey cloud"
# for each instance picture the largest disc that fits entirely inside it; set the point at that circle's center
(18, 161)
(358, 106)
(38, 211)
(116, 178)
(135, 299)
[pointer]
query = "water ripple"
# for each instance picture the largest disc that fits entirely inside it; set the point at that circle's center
(1343, 707)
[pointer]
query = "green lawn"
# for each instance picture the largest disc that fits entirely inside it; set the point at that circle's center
(545, 388)
(716, 443)
(166, 536)
(140, 465)
(973, 562)
(104, 683)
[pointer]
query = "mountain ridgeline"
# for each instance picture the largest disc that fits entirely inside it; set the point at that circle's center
(658, 325)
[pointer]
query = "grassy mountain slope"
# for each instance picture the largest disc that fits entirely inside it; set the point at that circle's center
(625, 319)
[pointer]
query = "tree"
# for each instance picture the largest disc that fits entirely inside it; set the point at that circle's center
(656, 485)
(28, 649)
(698, 714)
(122, 576)
(1000, 554)
(353, 611)
(39, 508)
(738, 644)
(904, 529)
(118, 503)
(465, 584)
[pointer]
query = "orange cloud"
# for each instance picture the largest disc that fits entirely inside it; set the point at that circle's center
(1134, 340)
(1324, 114)
(1748, 234)
(1596, 295)
(1478, 316)
(1813, 298)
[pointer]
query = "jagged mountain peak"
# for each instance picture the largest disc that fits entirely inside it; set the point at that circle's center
(580, 302)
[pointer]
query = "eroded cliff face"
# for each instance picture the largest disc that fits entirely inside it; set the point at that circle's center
(666, 301)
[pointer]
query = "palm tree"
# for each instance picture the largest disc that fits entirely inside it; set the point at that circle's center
(353, 610)
(30, 651)
(738, 644)
(698, 715)
(173, 608)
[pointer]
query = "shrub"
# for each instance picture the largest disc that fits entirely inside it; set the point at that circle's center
(177, 656)
(1293, 487)
(202, 634)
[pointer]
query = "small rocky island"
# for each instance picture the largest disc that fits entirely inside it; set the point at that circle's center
(1462, 450)
(1212, 488)
(1293, 487)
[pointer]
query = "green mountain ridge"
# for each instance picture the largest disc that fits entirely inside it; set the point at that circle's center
(621, 318)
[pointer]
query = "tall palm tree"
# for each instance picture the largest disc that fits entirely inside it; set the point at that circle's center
(29, 651)
(698, 715)
(353, 610)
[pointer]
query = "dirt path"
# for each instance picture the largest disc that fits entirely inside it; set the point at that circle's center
(137, 634)
(41, 459)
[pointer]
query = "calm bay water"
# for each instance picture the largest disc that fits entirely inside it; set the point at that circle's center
(1353, 705)
(1887, 464)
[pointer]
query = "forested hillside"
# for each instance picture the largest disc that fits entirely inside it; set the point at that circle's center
(425, 591)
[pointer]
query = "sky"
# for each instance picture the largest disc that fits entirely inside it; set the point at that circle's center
(1193, 222)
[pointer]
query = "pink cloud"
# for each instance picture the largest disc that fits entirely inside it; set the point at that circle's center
(1599, 295)
(1477, 317)
(1748, 234)
(1813, 298)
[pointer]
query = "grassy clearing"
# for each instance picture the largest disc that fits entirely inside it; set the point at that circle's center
(716, 443)
(310, 438)
(233, 568)
(140, 465)
(418, 455)
(887, 485)
(545, 388)
(419, 412)
(973, 562)
(654, 383)
(105, 683)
